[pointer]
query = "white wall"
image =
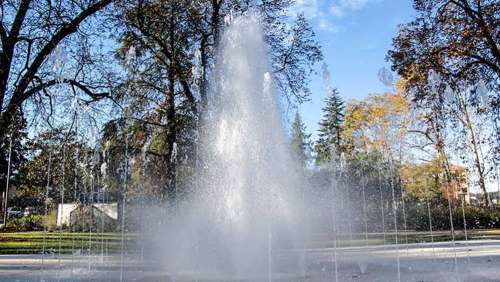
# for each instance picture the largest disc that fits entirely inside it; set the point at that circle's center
(64, 211)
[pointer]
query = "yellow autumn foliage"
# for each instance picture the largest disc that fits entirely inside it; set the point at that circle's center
(378, 123)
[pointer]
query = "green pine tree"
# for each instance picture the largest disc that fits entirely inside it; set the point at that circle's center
(300, 140)
(330, 129)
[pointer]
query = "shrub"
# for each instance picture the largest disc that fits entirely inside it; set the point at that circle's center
(475, 218)
(27, 223)
(14, 224)
(32, 222)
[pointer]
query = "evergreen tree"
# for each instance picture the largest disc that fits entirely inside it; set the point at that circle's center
(300, 140)
(330, 128)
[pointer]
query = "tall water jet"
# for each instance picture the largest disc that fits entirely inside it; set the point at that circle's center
(246, 211)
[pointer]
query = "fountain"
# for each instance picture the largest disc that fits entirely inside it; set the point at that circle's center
(246, 209)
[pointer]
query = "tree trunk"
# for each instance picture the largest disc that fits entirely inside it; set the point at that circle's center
(447, 175)
(203, 81)
(215, 21)
(474, 147)
(480, 171)
(170, 194)
(477, 159)
(170, 157)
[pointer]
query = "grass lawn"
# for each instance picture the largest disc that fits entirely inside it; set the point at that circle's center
(64, 242)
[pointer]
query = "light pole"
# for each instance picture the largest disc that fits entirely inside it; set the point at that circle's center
(6, 198)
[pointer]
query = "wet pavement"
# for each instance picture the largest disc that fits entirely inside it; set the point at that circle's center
(474, 261)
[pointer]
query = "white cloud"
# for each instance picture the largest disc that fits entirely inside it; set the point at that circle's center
(342, 7)
(321, 12)
(354, 4)
(310, 8)
(336, 11)
(326, 25)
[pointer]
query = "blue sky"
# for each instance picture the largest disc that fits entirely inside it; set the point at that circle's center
(355, 36)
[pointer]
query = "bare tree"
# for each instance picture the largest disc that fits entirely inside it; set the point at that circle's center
(30, 33)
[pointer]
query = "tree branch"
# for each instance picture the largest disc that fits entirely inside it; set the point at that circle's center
(426, 134)
(86, 89)
(178, 69)
(19, 93)
(3, 35)
(19, 19)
